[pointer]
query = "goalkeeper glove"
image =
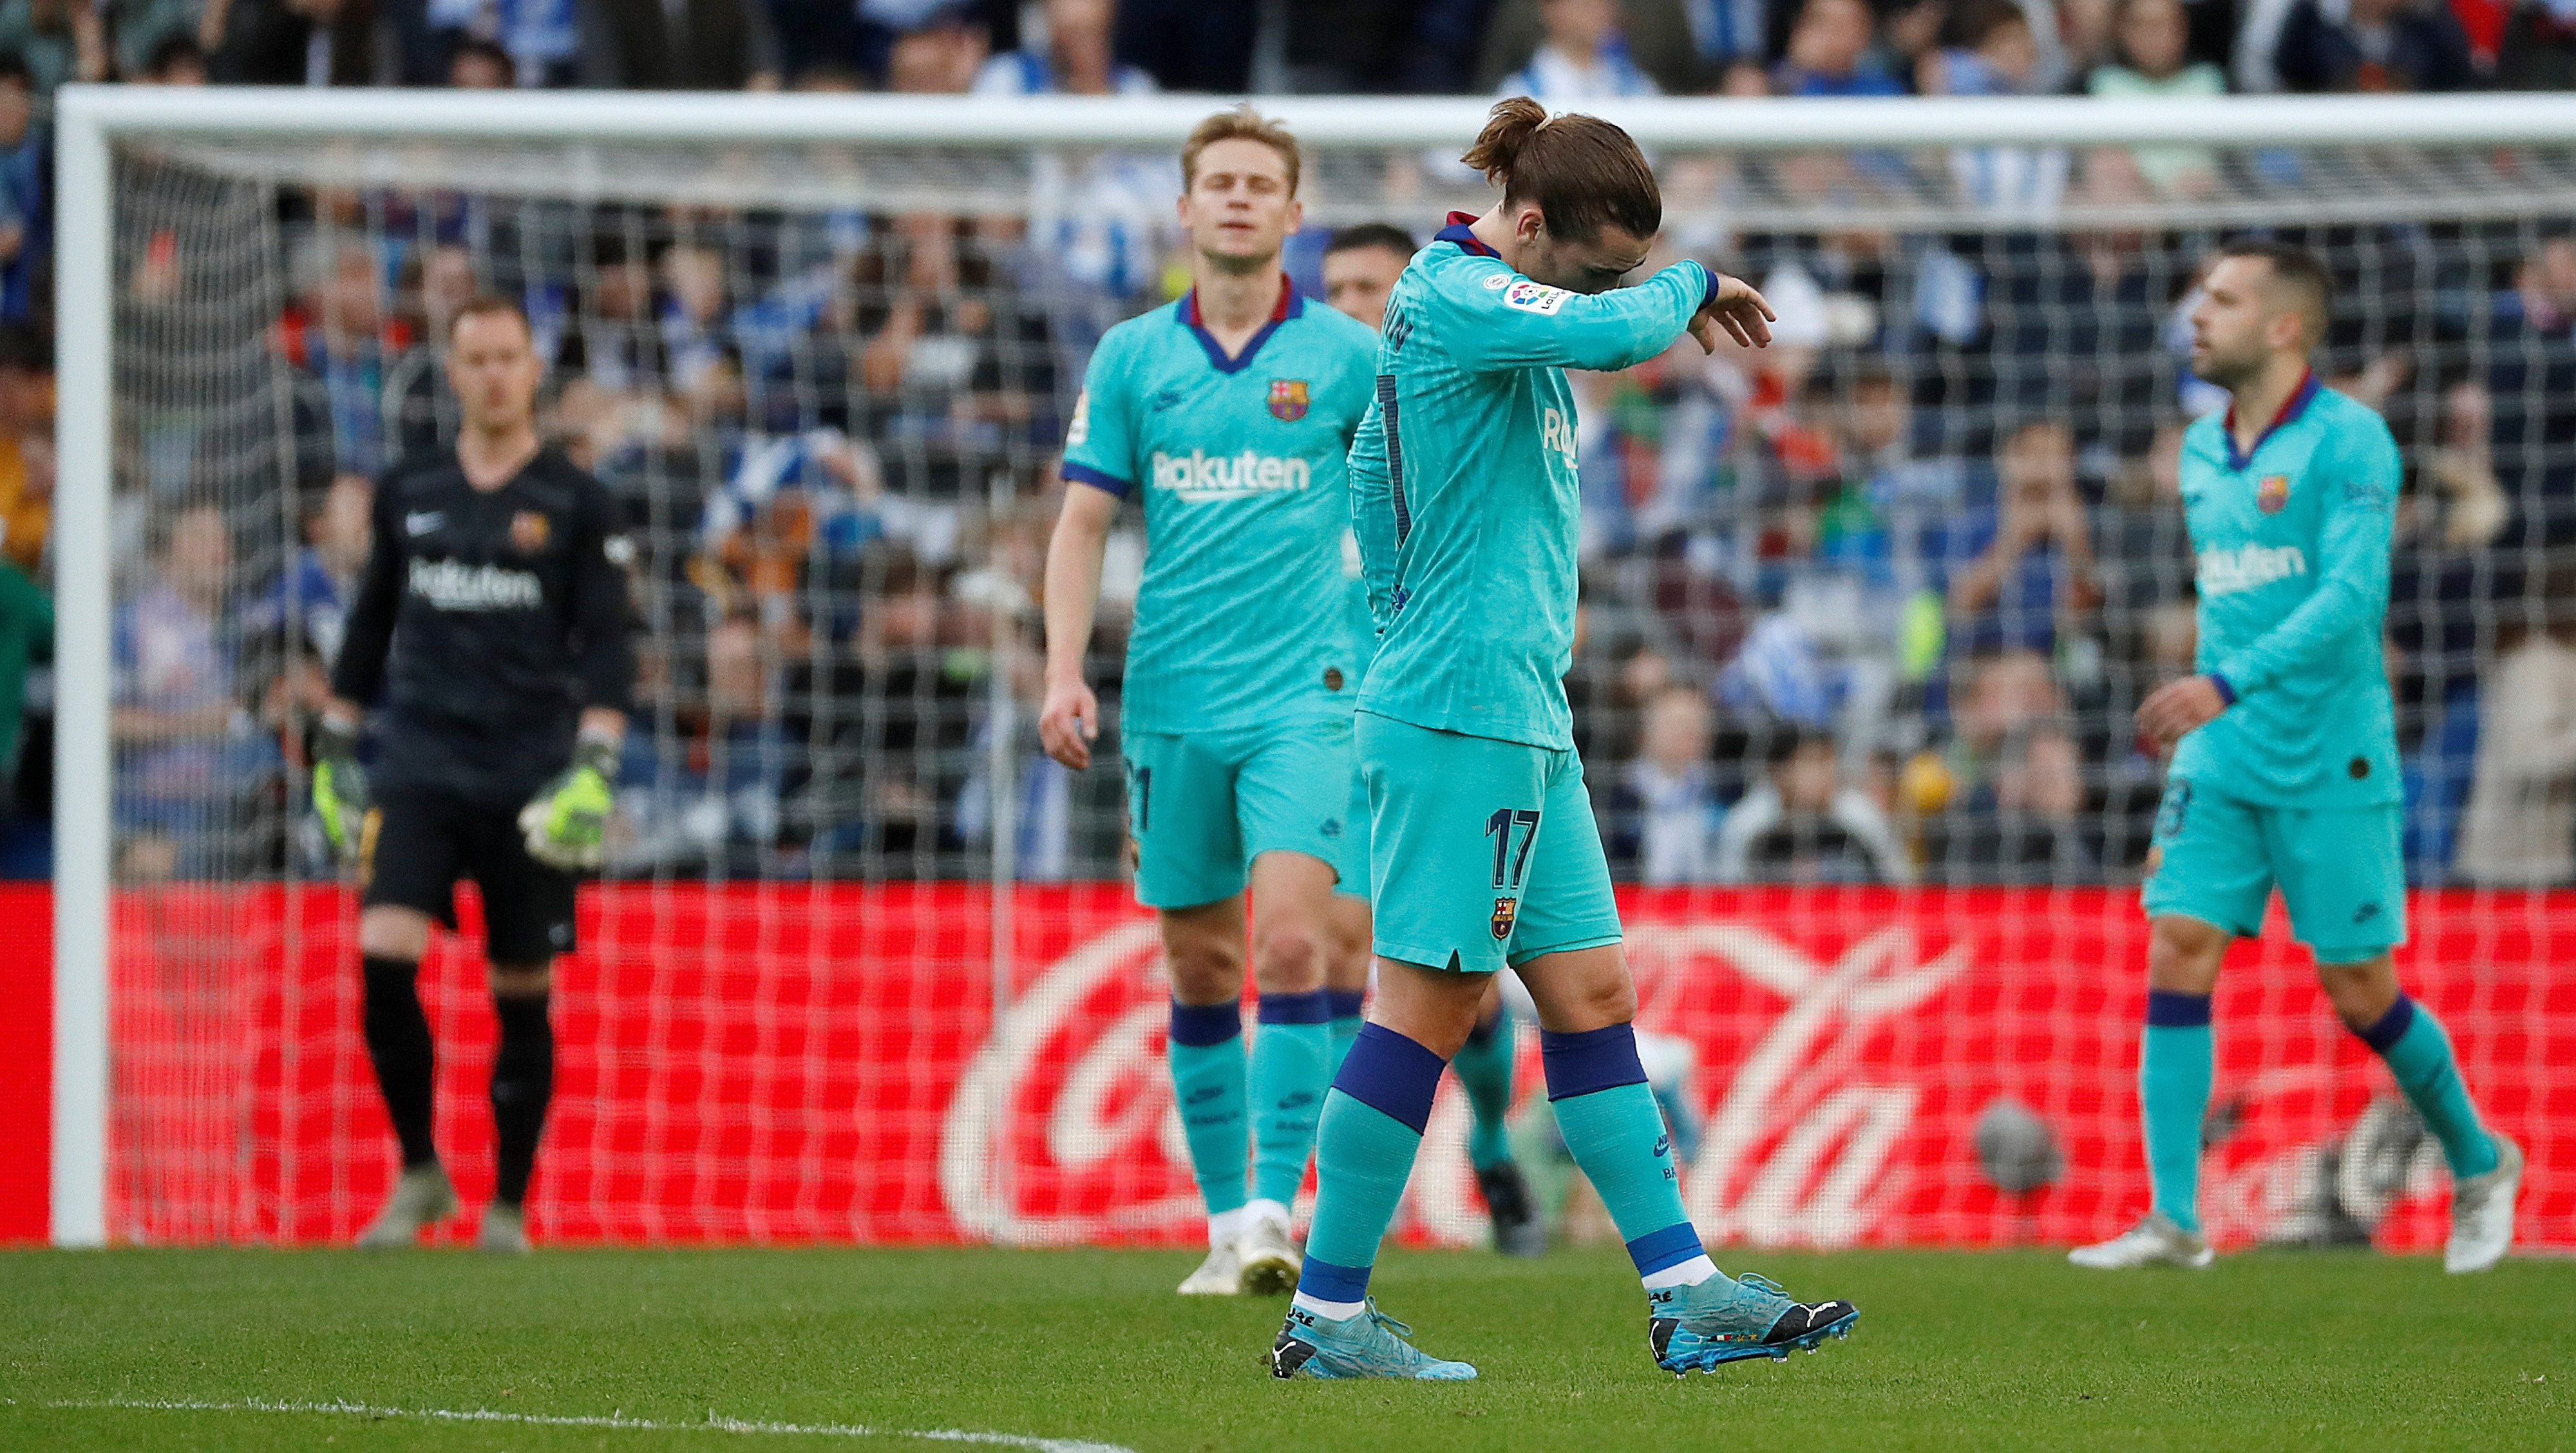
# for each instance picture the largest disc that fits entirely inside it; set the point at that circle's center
(340, 788)
(567, 818)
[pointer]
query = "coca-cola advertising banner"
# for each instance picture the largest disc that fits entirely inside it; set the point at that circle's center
(821, 1063)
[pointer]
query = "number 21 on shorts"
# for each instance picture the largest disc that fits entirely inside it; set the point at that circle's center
(1511, 861)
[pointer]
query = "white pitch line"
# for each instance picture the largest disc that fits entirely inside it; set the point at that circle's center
(618, 1421)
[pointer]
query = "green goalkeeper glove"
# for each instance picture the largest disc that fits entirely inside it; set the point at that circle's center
(568, 817)
(340, 788)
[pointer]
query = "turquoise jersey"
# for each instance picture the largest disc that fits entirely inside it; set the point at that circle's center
(1463, 488)
(1239, 465)
(2291, 548)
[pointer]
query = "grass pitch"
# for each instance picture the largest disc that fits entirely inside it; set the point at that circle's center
(243, 1349)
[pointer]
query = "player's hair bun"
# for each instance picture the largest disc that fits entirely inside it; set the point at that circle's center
(1583, 172)
(1507, 133)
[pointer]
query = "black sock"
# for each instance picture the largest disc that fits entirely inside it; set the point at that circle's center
(398, 1042)
(523, 1080)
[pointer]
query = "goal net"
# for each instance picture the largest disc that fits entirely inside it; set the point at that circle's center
(1865, 620)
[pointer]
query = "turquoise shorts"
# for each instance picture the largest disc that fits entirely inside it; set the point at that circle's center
(1482, 853)
(1353, 861)
(1202, 805)
(2342, 871)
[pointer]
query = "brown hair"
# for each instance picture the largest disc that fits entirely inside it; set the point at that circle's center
(1581, 171)
(483, 303)
(2301, 271)
(1239, 123)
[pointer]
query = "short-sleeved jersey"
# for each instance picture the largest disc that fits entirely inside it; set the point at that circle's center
(1239, 465)
(2290, 542)
(487, 619)
(1463, 485)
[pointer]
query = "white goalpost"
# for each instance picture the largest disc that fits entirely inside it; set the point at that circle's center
(1986, 307)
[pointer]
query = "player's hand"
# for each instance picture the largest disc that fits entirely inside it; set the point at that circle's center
(2177, 708)
(1737, 311)
(340, 788)
(1069, 723)
(567, 821)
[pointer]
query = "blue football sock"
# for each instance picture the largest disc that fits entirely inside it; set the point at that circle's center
(1364, 1151)
(1207, 1083)
(1484, 1067)
(2418, 1053)
(1291, 1056)
(1344, 1026)
(2173, 1097)
(1597, 1087)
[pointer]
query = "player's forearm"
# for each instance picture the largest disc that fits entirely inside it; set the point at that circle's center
(2303, 637)
(1605, 332)
(1072, 592)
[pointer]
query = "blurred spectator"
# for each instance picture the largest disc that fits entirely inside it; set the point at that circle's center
(174, 60)
(2537, 51)
(2353, 45)
(2006, 695)
(307, 607)
(291, 42)
(682, 45)
(433, 284)
(2457, 504)
(705, 790)
(1657, 37)
(1662, 810)
(542, 39)
(1076, 60)
(2520, 826)
(26, 212)
(26, 638)
(55, 41)
(2151, 38)
(1580, 57)
(481, 65)
(2032, 572)
(1361, 265)
(794, 509)
(1998, 54)
(2028, 825)
(1803, 825)
(333, 332)
(174, 706)
(1830, 54)
(1190, 45)
(26, 446)
(891, 727)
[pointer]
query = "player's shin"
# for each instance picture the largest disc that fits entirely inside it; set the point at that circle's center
(2418, 1054)
(399, 1046)
(1364, 1150)
(2174, 1067)
(1484, 1066)
(1597, 1087)
(1342, 1028)
(523, 1085)
(1207, 1062)
(1291, 1060)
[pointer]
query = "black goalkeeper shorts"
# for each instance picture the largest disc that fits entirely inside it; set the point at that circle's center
(416, 845)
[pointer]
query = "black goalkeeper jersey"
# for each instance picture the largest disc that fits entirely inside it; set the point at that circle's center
(488, 619)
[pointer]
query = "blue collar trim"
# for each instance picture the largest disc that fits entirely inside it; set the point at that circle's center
(1291, 304)
(2298, 402)
(1460, 232)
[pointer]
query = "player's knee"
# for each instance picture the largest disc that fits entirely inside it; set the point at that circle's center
(386, 932)
(2360, 992)
(1203, 971)
(2183, 954)
(522, 981)
(1289, 958)
(1595, 1002)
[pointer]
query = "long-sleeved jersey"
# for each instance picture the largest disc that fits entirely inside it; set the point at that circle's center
(488, 619)
(1463, 486)
(2290, 541)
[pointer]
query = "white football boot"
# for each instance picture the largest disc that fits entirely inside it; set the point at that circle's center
(2482, 1212)
(1221, 1275)
(2155, 1241)
(420, 1199)
(504, 1229)
(1268, 1257)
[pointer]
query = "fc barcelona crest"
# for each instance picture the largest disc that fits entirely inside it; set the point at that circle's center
(2272, 493)
(1288, 399)
(1505, 910)
(529, 532)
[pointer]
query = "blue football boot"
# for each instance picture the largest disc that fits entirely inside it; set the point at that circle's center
(1693, 1329)
(1371, 1344)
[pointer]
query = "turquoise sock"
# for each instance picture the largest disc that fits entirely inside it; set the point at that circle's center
(1207, 1083)
(2173, 1097)
(1484, 1067)
(2418, 1053)
(1345, 1023)
(1607, 1114)
(1291, 1066)
(1364, 1149)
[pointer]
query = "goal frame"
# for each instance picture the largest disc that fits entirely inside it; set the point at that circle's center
(91, 119)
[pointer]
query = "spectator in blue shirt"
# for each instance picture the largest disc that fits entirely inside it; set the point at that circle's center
(1830, 54)
(26, 233)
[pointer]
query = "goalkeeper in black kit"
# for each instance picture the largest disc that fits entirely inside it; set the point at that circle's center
(490, 634)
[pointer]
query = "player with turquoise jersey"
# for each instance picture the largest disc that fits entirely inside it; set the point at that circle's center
(2285, 763)
(1227, 417)
(1482, 848)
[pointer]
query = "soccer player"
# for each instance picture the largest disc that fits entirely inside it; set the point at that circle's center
(1483, 851)
(2285, 752)
(492, 617)
(1228, 416)
(1361, 265)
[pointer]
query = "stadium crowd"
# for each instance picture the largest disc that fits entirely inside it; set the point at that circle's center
(1872, 607)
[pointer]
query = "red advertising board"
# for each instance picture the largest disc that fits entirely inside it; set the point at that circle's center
(818, 1063)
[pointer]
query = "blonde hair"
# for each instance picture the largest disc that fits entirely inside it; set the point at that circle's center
(1238, 123)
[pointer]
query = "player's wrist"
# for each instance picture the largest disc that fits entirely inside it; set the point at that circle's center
(2226, 689)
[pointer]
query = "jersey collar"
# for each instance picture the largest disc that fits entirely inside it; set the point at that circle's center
(1290, 304)
(1461, 231)
(2291, 408)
